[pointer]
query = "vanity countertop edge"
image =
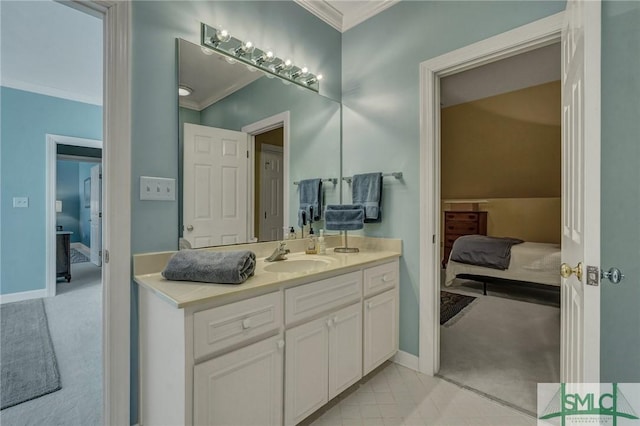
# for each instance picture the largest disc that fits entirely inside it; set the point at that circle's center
(186, 294)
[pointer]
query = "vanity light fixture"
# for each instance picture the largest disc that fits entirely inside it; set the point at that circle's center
(219, 36)
(184, 90)
(235, 50)
(243, 49)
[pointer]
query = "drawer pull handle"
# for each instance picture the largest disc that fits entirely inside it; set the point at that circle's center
(246, 323)
(386, 278)
(330, 322)
(280, 344)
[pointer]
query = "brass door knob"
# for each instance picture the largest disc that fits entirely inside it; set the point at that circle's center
(566, 271)
(190, 228)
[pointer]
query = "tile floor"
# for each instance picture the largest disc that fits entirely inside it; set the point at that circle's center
(399, 396)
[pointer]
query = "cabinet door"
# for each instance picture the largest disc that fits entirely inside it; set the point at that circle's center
(306, 369)
(380, 329)
(345, 348)
(243, 387)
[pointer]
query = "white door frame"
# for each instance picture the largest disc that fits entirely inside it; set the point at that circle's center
(116, 207)
(279, 120)
(52, 142)
(519, 40)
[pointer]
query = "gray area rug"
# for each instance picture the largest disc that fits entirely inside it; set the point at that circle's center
(78, 257)
(27, 360)
(75, 324)
(502, 348)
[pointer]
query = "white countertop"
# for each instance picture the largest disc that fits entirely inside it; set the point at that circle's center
(182, 294)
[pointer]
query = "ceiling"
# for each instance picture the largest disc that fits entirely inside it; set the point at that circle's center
(52, 49)
(209, 76)
(343, 15)
(507, 75)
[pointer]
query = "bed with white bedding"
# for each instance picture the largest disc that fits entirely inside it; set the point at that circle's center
(530, 262)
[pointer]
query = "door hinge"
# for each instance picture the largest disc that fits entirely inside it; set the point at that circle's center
(106, 256)
(99, 253)
(100, 214)
(433, 239)
(247, 154)
(265, 215)
(100, 176)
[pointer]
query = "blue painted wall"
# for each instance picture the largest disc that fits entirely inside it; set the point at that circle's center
(381, 108)
(26, 118)
(67, 192)
(620, 191)
(84, 171)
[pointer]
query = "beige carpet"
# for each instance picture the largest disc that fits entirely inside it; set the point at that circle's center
(503, 347)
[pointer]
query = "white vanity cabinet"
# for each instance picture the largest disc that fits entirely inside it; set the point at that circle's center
(269, 358)
(381, 314)
(323, 358)
(243, 387)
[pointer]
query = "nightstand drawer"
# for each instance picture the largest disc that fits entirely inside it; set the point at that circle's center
(463, 228)
(462, 216)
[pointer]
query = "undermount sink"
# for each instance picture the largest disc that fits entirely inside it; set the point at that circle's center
(298, 265)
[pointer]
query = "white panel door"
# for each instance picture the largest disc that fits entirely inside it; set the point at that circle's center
(380, 329)
(242, 388)
(345, 349)
(271, 187)
(306, 369)
(96, 215)
(580, 303)
(215, 186)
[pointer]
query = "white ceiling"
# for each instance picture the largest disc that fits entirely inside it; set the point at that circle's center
(52, 49)
(345, 14)
(209, 76)
(517, 72)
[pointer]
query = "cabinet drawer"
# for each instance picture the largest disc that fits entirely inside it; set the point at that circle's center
(462, 216)
(449, 239)
(380, 278)
(224, 326)
(461, 228)
(308, 300)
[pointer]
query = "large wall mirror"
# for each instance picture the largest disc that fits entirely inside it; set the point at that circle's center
(245, 140)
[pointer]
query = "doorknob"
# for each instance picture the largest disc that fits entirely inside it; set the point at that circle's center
(566, 271)
(613, 274)
(190, 228)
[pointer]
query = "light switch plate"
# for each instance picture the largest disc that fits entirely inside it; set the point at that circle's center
(157, 188)
(20, 202)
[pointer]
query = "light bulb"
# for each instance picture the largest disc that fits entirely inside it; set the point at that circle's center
(223, 35)
(319, 77)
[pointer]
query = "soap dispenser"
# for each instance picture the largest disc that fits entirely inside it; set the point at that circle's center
(311, 248)
(292, 233)
(322, 246)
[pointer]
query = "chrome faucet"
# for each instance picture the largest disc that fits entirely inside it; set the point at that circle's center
(279, 253)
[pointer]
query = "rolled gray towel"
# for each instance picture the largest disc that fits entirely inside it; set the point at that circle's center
(230, 267)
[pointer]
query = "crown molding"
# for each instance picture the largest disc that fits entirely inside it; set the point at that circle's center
(324, 11)
(340, 21)
(349, 21)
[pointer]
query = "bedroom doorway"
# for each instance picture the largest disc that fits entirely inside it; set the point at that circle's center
(580, 354)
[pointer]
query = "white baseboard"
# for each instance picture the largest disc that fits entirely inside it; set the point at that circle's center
(23, 295)
(408, 360)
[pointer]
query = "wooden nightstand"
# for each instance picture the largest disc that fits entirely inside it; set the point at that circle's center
(458, 223)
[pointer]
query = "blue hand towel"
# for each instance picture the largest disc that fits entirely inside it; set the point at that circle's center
(310, 191)
(229, 267)
(367, 190)
(345, 217)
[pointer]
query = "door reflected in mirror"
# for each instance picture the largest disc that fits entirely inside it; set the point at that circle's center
(244, 139)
